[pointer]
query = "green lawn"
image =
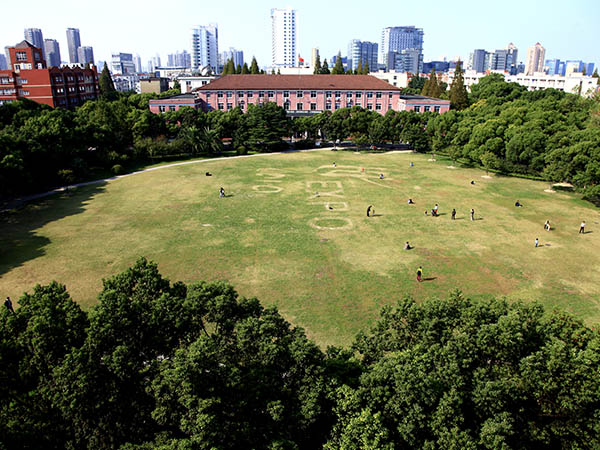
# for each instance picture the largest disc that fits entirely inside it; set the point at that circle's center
(318, 257)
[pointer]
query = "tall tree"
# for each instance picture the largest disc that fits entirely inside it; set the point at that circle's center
(107, 87)
(317, 65)
(245, 69)
(254, 70)
(366, 70)
(238, 69)
(338, 69)
(230, 67)
(359, 69)
(432, 87)
(325, 68)
(459, 98)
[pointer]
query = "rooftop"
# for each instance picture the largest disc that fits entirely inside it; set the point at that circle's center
(304, 82)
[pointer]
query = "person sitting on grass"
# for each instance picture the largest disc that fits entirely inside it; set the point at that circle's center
(407, 246)
(381, 176)
(518, 204)
(221, 192)
(410, 202)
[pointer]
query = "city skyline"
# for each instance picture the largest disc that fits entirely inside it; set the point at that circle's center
(452, 30)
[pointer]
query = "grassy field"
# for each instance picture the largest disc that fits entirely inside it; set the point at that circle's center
(293, 231)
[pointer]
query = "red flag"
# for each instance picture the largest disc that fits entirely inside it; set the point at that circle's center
(300, 59)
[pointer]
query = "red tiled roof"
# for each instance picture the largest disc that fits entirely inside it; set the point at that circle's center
(304, 82)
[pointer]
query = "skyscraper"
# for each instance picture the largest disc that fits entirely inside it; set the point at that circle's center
(511, 58)
(137, 61)
(35, 36)
(479, 60)
(3, 63)
(362, 52)
(315, 55)
(402, 40)
(52, 52)
(236, 55)
(535, 59)
(85, 55)
(283, 37)
(122, 63)
(73, 42)
(205, 47)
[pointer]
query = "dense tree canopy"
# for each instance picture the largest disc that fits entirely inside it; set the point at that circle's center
(157, 364)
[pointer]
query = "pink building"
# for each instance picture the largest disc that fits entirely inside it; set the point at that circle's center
(174, 102)
(304, 95)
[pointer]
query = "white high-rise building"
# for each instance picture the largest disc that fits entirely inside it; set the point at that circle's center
(52, 52)
(400, 44)
(535, 59)
(205, 47)
(283, 37)
(85, 55)
(73, 42)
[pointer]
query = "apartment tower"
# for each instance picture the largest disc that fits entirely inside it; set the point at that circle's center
(283, 25)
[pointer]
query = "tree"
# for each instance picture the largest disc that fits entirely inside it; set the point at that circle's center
(107, 87)
(365, 69)
(458, 92)
(359, 69)
(596, 76)
(267, 124)
(460, 373)
(317, 69)
(177, 85)
(229, 68)
(325, 68)
(238, 69)
(254, 67)
(245, 69)
(432, 87)
(338, 69)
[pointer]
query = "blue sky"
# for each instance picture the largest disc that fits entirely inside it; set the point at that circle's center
(567, 29)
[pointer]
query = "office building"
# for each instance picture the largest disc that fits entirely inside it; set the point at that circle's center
(236, 55)
(511, 59)
(179, 59)
(85, 55)
(438, 66)
(35, 36)
(137, 61)
(73, 43)
(362, 52)
(589, 68)
(28, 77)
(535, 59)
(122, 63)
(52, 52)
(553, 66)
(3, 63)
(314, 56)
(205, 47)
(479, 60)
(283, 37)
(405, 42)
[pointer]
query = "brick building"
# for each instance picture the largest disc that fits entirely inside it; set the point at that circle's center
(303, 95)
(28, 77)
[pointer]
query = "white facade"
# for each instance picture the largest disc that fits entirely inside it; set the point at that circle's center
(398, 79)
(283, 24)
(189, 83)
(205, 47)
(537, 81)
(535, 59)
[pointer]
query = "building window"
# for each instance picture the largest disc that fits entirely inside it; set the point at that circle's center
(328, 105)
(208, 95)
(337, 105)
(3, 80)
(337, 94)
(24, 92)
(370, 106)
(417, 109)
(161, 108)
(426, 108)
(390, 95)
(241, 104)
(229, 106)
(271, 94)
(172, 108)
(313, 106)
(286, 106)
(21, 56)
(358, 94)
(240, 94)
(313, 94)
(299, 94)
(328, 94)
(436, 109)
(229, 94)
(369, 95)
(220, 105)
(349, 104)
(250, 94)
(348, 94)
(23, 81)
(261, 94)
(298, 106)
(378, 106)
(378, 95)
(286, 94)
(220, 94)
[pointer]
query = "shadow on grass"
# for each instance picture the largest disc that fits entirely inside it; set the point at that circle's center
(19, 238)
(430, 279)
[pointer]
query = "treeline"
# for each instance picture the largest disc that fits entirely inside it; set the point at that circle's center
(548, 133)
(167, 365)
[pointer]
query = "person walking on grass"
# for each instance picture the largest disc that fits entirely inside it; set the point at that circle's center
(9, 305)
(537, 242)
(221, 192)
(547, 225)
(420, 274)
(453, 213)
(472, 214)
(369, 210)
(582, 228)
